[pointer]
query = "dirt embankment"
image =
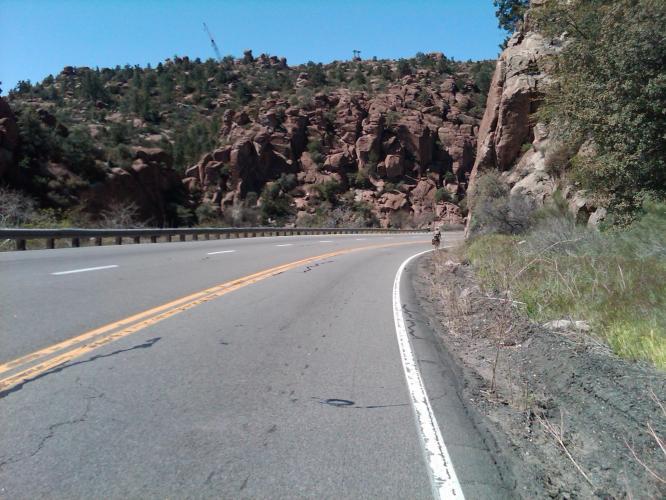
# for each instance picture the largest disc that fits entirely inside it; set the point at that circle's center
(574, 420)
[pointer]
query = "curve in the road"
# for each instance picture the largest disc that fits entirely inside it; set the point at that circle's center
(24, 369)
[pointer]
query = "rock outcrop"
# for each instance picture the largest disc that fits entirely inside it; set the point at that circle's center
(419, 137)
(515, 92)
(148, 184)
(510, 140)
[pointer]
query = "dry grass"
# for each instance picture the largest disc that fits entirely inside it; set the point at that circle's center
(615, 281)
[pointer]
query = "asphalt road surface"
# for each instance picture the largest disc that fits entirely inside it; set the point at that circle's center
(249, 368)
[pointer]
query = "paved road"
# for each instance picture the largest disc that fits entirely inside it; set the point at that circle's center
(286, 384)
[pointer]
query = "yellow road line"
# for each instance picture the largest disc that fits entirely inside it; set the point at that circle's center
(139, 321)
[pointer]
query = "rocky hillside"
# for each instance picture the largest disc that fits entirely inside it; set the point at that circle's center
(574, 112)
(248, 141)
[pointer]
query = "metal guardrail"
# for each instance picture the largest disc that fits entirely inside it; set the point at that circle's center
(21, 236)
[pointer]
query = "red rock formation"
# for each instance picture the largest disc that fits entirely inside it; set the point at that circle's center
(147, 184)
(406, 134)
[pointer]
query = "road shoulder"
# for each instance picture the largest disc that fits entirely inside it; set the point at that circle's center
(565, 415)
(475, 453)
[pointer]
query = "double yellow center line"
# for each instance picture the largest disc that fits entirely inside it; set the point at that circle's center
(36, 363)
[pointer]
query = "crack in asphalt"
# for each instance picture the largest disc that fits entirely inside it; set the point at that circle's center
(410, 323)
(51, 429)
(148, 343)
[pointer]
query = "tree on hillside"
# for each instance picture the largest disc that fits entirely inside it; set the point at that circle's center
(92, 87)
(359, 77)
(316, 74)
(404, 67)
(611, 89)
(510, 12)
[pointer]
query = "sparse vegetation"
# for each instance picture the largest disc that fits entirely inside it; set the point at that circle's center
(495, 210)
(560, 270)
(275, 203)
(329, 190)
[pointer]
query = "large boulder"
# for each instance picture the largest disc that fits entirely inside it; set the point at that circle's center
(152, 155)
(338, 161)
(365, 146)
(392, 201)
(393, 166)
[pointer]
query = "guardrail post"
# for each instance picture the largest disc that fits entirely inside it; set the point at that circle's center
(181, 237)
(137, 239)
(207, 236)
(119, 240)
(76, 242)
(218, 236)
(195, 237)
(98, 241)
(168, 238)
(50, 243)
(20, 244)
(153, 239)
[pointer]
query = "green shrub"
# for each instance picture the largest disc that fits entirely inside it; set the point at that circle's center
(611, 88)
(329, 190)
(207, 215)
(275, 204)
(404, 68)
(495, 210)
(442, 194)
(314, 148)
(287, 182)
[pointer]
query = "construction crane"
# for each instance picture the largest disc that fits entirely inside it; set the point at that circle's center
(212, 42)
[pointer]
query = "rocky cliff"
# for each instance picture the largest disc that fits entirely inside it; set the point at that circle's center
(512, 141)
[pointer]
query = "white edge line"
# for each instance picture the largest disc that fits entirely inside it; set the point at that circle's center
(59, 273)
(221, 251)
(285, 245)
(325, 241)
(445, 484)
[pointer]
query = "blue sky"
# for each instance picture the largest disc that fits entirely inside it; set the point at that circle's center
(39, 37)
